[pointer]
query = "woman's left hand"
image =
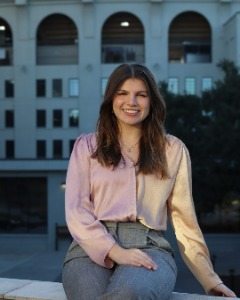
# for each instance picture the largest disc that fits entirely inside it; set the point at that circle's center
(222, 290)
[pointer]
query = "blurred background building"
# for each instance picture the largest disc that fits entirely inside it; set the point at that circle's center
(55, 59)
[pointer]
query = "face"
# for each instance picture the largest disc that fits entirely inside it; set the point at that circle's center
(131, 103)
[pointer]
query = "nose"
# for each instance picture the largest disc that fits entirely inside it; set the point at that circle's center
(132, 99)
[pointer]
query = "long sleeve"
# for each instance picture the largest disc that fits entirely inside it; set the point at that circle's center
(189, 236)
(91, 235)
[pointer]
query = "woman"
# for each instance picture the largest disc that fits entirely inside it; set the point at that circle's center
(122, 182)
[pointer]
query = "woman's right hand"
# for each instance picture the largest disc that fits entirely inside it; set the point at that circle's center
(134, 257)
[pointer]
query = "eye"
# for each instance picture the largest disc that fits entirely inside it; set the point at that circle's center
(144, 95)
(121, 93)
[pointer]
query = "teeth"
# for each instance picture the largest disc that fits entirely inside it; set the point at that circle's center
(130, 111)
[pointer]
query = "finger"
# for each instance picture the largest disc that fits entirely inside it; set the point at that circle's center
(148, 263)
(140, 258)
(229, 294)
(222, 290)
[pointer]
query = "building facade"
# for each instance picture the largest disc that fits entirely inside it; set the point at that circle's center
(55, 59)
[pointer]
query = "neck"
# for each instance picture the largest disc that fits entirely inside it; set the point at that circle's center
(130, 135)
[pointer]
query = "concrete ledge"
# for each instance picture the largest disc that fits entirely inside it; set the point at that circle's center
(17, 289)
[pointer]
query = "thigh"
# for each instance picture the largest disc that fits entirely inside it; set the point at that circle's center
(84, 280)
(133, 283)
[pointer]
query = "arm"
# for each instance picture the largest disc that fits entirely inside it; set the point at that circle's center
(189, 236)
(84, 228)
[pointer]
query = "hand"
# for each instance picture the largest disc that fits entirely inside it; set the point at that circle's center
(222, 290)
(134, 257)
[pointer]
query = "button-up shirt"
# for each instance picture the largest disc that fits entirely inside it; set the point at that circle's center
(95, 193)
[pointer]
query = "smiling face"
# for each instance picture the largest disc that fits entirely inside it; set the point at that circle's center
(131, 103)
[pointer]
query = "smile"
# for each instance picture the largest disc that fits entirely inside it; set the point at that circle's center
(131, 111)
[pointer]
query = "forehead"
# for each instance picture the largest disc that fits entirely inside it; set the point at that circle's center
(134, 84)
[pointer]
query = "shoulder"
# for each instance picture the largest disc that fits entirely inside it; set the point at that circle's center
(175, 145)
(173, 141)
(86, 141)
(176, 154)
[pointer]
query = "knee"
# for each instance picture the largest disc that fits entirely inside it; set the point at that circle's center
(133, 292)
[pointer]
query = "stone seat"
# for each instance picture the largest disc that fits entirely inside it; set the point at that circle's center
(19, 289)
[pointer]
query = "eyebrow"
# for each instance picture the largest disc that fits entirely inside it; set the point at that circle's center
(145, 91)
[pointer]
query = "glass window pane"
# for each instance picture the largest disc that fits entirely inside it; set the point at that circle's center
(74, 118)
(190, 86)
(41, 118)
(41, 88)
(41, 149)
(9, 118)
(23, 205)
(206, 83)
(173, 85)
(57, 88)
(104, 84)
(9, 149)
(57, 118)
(9, 88)
(71, 144)
(57, 149)
(73, 87)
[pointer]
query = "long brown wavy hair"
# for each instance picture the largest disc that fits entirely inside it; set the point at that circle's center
(152, 158)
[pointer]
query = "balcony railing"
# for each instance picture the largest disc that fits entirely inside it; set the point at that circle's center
(119, 53)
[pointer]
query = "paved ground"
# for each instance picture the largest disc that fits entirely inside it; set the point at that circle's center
(47, 266)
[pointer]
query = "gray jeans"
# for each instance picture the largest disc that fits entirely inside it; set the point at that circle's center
(85, 280)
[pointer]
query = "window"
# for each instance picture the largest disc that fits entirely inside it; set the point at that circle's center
(41, 149)
(190, 86)
(173, 85)
(23, 205)
(41, 88)
(9, 88)
(9, 118)
(6, 44)
(74, 118)
(41, 118)
(9, 149)
(71, 145)
(104, 84)
(194, 52)
(57, 118)
(189, 39)
(122, 39)
(57, 41)
(73, 87)
(206, 84)
(57, 88)
(57, 149)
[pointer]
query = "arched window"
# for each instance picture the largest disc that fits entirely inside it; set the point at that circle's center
(122, 39)
(6, 44)
(57, 41)
(190, 39)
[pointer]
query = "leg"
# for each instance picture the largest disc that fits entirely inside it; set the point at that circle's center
(135, 283)
(84, 280)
